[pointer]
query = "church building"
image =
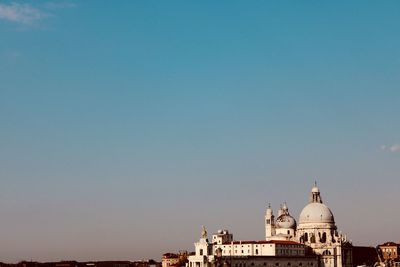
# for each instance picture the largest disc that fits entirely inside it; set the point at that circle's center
(316, 229)
(313, 242)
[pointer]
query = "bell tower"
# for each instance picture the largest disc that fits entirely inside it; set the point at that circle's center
(269, 223)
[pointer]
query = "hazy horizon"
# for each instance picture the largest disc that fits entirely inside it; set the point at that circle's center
(127, 126)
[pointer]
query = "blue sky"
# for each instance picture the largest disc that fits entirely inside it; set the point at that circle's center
(126, 126)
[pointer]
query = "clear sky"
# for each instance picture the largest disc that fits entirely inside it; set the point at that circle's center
(126, 125)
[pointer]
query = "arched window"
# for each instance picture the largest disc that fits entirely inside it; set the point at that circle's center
(312, 238)
(306, 237)
(326, 253)
(323, 238)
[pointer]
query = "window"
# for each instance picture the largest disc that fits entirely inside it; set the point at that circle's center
(323, 238)
(256, 251)
(326, 252)
(201, 252)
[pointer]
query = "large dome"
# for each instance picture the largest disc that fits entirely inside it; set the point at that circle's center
(316, 212)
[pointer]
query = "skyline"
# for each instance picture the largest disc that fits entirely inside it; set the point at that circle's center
(124, 128)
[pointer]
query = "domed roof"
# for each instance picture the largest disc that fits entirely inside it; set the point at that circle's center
(285, 221)
(316, 212)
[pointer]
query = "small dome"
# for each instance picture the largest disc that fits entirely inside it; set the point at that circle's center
(315, 189)
(285, 221)
(316, 212)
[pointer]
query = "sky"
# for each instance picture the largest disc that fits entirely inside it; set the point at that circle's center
(126, 126)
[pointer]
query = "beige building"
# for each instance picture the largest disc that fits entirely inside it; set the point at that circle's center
(315, 241)
(169, 259)
(389, 251)
(316, 229)
(265, 261)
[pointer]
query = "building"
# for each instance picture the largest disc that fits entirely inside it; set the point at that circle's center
(390, 251)
(316, 229)
(174, 260)
(390, 254)
(225, 251)
(315, 241)
(225, 246)
(169, 259)
(365, 256)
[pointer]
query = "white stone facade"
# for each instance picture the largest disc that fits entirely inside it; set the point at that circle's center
(261, 248)
(316, 229)
(315, 241)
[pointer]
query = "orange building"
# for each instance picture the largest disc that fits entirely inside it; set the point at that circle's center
(390, 251)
